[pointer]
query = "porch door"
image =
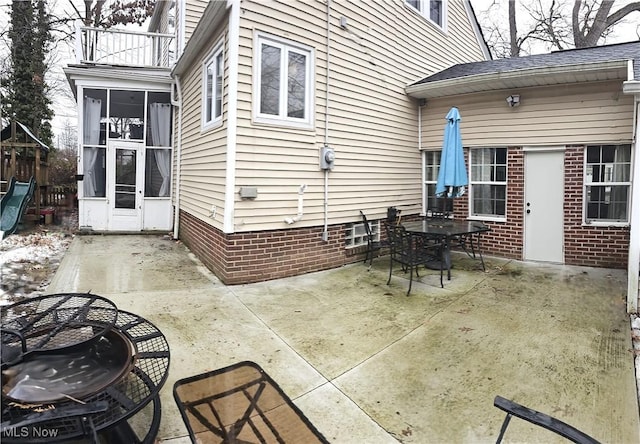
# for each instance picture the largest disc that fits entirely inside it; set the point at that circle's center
(543, 206)
(126, 180)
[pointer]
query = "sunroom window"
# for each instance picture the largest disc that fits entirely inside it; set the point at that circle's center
(488, 186)
(284, 82)
(607, 183)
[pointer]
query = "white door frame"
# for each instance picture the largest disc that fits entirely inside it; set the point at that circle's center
(125, 219)
(543, 235)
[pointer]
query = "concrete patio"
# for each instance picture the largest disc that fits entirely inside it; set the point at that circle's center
(366, 363)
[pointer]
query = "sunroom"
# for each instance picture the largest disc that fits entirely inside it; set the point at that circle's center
(125, 132)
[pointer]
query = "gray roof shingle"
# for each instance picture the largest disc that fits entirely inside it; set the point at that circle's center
(620, 51)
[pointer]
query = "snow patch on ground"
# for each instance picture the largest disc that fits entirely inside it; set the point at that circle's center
(28, 262)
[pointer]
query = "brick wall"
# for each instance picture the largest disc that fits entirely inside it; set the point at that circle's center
(505, 238)
(586, 245)
(583, 245)
(242, 258)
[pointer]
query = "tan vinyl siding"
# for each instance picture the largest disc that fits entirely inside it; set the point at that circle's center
(560, 115)
(203, 166)
(193, 10)
(372, 125)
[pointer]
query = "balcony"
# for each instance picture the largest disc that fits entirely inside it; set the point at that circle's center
(124, 48)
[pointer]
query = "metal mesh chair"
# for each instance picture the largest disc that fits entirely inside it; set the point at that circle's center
(411, 251)
(373, 245)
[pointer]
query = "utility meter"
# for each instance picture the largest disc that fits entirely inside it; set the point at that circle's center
(327, 158)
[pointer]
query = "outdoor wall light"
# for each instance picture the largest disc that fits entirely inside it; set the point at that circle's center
(513, 100)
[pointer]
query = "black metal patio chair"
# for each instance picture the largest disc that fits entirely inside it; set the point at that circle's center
(411, 251)
(373, 245)
(540, 419)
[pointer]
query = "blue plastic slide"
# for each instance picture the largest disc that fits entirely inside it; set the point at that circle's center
(13, 205)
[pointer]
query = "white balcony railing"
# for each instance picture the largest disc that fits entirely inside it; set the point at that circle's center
(128, 48)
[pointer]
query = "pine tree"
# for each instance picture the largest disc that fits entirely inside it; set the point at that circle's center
(24, 88)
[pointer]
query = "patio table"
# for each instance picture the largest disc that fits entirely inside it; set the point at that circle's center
(465, 233)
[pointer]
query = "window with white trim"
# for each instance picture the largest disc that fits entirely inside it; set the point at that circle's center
(607, 183)
(488, 184)
(212, 74)
(434, 10)
(283, 86)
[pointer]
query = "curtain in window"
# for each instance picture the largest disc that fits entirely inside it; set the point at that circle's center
(160, 122)
(163, 161)
(91, 136)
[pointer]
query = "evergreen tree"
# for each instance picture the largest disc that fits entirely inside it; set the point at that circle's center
(24, 89)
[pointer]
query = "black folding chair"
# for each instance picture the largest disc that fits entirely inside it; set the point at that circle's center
(411, 251)
(540, 419)
(373, 245)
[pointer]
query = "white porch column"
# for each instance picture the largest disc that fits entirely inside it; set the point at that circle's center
(633, 267)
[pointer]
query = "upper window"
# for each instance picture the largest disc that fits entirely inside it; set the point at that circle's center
(283, 86)
(488, 185)
(607, 183)
(434, 10)
(213, 70)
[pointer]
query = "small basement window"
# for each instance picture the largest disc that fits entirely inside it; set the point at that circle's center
(356, 235)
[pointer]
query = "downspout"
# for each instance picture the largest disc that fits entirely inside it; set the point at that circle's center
(633, 262)
(233, 57)
(178, 103)
(325, 231)
(422, 160)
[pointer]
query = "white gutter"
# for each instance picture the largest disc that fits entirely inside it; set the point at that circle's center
(178, 102)
(233, 58)
(633, 264)
(325, 231)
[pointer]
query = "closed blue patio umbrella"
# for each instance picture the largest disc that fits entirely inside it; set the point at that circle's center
(452, 176)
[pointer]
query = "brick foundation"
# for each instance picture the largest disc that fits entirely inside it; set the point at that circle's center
(243, 258)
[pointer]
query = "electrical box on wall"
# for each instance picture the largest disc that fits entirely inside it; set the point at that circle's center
(327, 158)
(248, 192)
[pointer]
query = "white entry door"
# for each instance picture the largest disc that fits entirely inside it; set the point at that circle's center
(125, 166)
(543, 206)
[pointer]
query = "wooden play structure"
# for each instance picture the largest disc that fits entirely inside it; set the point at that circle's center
(24, 156)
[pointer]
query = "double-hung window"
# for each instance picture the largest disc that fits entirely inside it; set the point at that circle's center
(488, 186)
(283, 82)
(213, 70)
(607, 183)
(434, 10)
